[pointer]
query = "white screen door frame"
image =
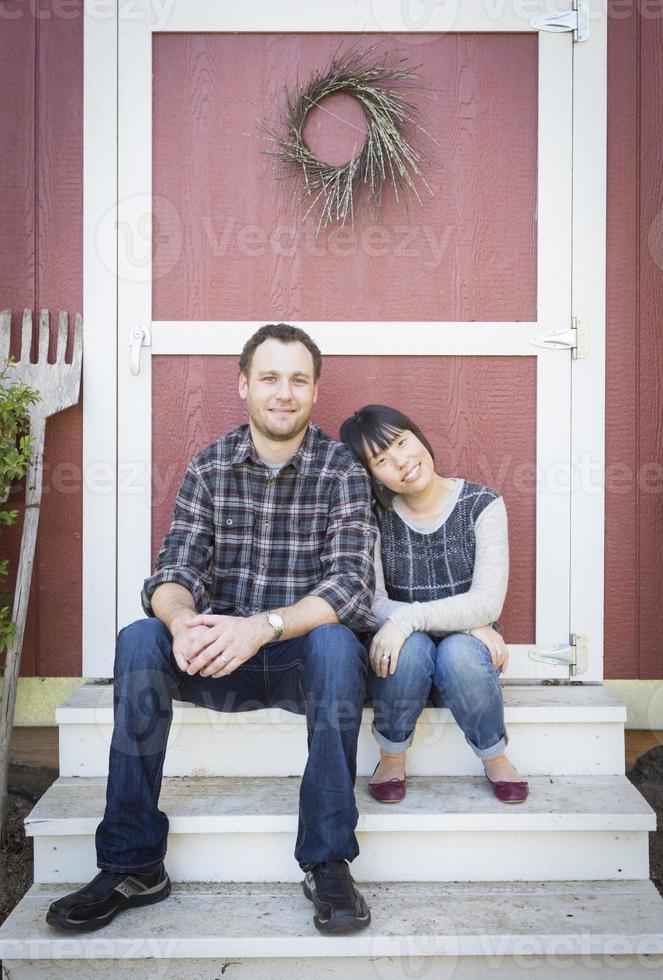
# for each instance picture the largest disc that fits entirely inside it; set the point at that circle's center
(117, 446)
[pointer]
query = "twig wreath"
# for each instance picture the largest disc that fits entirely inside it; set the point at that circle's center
(387, 154)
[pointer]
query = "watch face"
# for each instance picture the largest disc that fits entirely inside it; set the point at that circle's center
(276, 620)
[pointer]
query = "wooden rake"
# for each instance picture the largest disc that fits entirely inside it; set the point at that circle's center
(58, 385)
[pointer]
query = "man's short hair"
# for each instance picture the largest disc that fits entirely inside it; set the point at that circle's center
(287, 334)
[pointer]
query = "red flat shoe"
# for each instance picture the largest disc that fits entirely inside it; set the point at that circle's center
(390, 791)
(508, 791)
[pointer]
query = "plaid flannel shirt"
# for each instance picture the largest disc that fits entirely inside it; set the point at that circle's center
(243, 541)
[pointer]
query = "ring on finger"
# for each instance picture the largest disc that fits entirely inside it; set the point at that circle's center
(224, 659)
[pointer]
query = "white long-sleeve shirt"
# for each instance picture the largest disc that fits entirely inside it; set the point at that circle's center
(482, 602)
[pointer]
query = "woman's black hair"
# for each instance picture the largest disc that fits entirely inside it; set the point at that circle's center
(370, 431)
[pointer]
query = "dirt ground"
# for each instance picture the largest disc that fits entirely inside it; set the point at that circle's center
(647, 776)
(28, 783)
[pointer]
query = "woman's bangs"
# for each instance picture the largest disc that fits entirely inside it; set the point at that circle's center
(380, 436)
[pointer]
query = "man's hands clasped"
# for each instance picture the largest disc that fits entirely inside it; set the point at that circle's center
(215, 646)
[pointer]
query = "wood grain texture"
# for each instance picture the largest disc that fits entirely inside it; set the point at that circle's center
(18, 42)
(357, 287)
(650, 352)
(60, 287)
(58, 386)
(18, 281)
(41, 266)
(231, 241)
(36, 746)
(621, 499)
(480, 421)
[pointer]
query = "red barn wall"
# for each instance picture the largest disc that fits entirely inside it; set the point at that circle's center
(634, 302)
(477, 95)
(41, 267)
(41, 204)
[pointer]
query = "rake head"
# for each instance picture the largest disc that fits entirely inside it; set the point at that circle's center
(58, 383)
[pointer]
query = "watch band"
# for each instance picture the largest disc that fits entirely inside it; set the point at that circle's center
(277, 624)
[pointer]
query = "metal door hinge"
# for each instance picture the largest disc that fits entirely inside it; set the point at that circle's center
(575, 339)
(574, 655)
(139, 337)
(576, 20)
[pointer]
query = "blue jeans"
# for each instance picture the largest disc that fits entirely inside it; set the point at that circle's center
(321, 675)
(455, 672)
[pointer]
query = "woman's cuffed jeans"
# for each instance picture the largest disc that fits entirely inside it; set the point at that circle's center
(322, 675)
(455, 672)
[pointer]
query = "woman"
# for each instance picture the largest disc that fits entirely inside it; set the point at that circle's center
(441, 565)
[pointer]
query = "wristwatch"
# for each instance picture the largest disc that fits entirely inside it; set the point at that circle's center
(277, 624)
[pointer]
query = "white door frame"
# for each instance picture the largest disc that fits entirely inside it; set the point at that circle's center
(117, 298)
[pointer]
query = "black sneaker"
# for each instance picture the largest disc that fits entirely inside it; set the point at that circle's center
(97, 903)
(339, 905)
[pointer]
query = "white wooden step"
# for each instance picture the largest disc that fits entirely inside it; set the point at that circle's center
(255, 932)
(448, 828)
(553, 730)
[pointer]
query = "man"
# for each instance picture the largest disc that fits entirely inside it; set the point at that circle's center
(264, 575)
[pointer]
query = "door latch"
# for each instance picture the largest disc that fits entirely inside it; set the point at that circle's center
(575, 339)
(139, 337)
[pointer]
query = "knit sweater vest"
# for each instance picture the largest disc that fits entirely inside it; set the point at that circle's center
(420, 567)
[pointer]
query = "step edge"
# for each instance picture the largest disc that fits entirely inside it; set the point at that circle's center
(638, 815)
(433, 823)
(520, 714)
(43, 948)
(251, 948)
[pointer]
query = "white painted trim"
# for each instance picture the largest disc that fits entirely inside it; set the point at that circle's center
(589, 283)
(554, 203)
(99, 355)
(134, 525)
(554, 189)
(346, 15)
(350, 338)
(408, 855)
(135, 296)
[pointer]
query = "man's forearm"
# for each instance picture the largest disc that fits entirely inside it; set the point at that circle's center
(172, 602)
(304, 616)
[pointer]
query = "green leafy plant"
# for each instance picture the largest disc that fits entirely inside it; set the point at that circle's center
(15, 448)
